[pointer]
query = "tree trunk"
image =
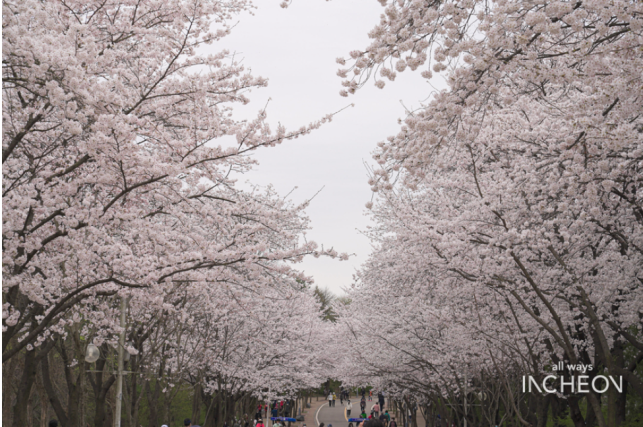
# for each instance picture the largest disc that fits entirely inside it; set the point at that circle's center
(543, 409)
(196, 403)
(574, 410)
(44, 403)
(617, 415)
(54, 399)
(24, 389)
(135, 396)
(590, 419)
(152, 399)
(30, 410)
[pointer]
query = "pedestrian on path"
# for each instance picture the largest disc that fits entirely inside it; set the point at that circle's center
(376, 409)
(362, 405)
(330, 400)
(370, 395)
(334, 399)
(260, 423)
(380, 398)
(349, 406)
(363, 414)
(392, 423)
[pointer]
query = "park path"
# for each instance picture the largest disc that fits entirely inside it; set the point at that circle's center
(320, 412)
(308, 413)
(338, 418)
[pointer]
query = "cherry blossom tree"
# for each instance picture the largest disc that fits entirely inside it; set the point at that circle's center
(119, 150)
(520, 181)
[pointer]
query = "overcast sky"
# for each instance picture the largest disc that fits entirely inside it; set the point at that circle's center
(295, 48)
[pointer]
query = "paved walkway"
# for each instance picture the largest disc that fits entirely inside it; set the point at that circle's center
(308, 413)
(337, 415)
(320, 412)
(338, 418)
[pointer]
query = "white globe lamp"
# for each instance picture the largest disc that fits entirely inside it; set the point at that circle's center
(92, 353)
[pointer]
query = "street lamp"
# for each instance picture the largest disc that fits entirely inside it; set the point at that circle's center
(92, 353)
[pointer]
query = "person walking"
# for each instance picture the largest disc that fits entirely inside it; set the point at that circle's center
(392, 423)
(260, 423)
(330, 399)
(370, 395)
(376, 410)
(380, 398)
(383, 419)
(334, 399)
(362, 404)
(349, 406)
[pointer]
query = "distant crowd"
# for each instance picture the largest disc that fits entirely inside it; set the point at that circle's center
(376, 411)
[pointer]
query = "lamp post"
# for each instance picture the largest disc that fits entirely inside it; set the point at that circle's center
(92, 354)
(119, 377)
